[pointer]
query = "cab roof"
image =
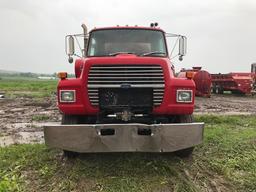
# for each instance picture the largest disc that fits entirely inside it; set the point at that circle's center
(128, 27)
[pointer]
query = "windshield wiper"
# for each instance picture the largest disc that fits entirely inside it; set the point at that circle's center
(153, 53)
(117, 53)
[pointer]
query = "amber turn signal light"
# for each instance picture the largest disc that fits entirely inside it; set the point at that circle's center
(189, 74)
(62, 75)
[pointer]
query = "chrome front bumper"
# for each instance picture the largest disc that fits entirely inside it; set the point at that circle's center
(124, 137)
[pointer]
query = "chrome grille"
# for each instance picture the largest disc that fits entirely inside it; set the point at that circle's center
(113, 76)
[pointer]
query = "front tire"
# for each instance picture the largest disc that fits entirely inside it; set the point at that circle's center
(70, 154)
(69, 120)
(185, 153)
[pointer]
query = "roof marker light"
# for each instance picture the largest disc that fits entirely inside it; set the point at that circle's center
(189, 74)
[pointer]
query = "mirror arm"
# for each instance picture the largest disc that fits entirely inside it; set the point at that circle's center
(78, 56)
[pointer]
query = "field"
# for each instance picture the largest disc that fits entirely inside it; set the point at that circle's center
(226, 161)
(28, 87)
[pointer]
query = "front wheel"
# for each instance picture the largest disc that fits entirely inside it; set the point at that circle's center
(70, 154)
(184, 153)
(69, 120)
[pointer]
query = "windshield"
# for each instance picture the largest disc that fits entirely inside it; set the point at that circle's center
(132, 41)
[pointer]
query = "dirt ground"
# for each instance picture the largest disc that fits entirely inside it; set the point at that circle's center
(226, 104)
(22, 119)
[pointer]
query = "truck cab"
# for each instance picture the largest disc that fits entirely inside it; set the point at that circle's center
(125, 96)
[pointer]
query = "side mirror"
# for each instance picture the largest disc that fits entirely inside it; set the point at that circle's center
(182, 47)
(71, 45)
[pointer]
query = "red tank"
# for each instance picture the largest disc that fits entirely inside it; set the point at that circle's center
(202, 80)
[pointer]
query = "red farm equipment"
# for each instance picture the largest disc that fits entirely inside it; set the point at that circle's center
(235, 82)
(253, 71)
(202, 80)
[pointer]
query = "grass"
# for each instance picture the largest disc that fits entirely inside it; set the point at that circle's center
(40, 117)
(28, 88)
(226, 161)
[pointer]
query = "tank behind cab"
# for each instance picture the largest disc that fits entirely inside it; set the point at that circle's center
(202, 80)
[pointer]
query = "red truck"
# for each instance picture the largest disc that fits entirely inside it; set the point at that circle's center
(125, 97)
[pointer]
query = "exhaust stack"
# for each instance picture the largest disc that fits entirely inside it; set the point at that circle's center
(85, 38)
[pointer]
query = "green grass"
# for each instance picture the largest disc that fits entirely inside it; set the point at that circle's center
(40, 117)
(230, 149)
(226, 161)
(28, 88)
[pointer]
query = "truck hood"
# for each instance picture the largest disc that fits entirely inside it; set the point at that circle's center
(127, 59)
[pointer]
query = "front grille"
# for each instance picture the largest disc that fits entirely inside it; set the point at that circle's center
(134, 76)
(116, 98)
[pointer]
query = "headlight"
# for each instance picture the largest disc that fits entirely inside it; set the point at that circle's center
(67, 95)
(184, 96)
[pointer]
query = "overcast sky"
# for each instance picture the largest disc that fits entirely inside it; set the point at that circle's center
(221, 33)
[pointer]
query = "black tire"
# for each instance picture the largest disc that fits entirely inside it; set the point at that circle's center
(69, 120)
(185, 119)
(185, 153)
(70, 154)
(219, 90)
(213, 89)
